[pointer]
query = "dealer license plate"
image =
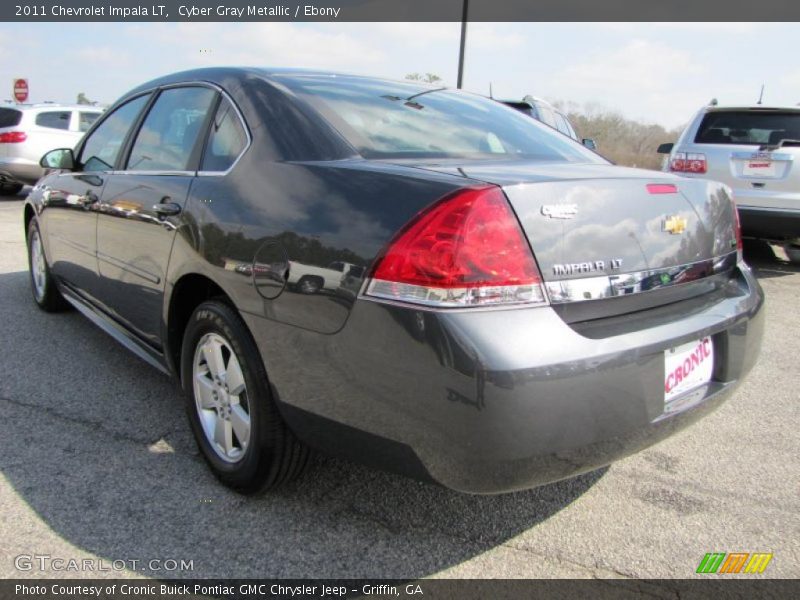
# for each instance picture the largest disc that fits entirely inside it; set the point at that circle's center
(688, 366)
(759, 168)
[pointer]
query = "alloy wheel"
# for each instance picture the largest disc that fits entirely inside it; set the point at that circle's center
(221, 399)
(38, 267)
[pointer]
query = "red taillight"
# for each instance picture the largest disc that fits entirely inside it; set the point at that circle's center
(662, 188)
(688, 162)
(13, 137)
(467, 250)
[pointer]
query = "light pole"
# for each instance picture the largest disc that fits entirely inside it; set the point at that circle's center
(463, 44)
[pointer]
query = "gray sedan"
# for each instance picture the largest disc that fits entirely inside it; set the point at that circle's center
(517, 310)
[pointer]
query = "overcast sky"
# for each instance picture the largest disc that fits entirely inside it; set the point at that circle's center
(657, 73)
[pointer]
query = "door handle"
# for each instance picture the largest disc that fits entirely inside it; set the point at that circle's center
(167, 209)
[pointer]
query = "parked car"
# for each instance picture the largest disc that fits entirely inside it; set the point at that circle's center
(310, 279)
(548, 114)
(497, 339)
(755, 150)
(28, 131)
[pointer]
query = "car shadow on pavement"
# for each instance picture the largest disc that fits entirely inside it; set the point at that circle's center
(765, 262)
(98, 458)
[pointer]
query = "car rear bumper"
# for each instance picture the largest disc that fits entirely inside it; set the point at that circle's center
(20, 170)
(489, 401)
(769, 223)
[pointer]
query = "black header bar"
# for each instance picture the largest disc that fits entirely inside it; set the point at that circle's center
(399, 10)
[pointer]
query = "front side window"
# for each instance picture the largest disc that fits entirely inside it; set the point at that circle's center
(169, 133)
(385, 119)
(226, 141)
(54, 119)
(102, 147)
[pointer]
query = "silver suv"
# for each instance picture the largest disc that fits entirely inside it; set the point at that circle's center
(755, 150)
(28, 131)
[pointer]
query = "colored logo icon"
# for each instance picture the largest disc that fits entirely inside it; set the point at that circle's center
(734, 562)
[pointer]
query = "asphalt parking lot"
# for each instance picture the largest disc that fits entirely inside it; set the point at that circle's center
(97, 462)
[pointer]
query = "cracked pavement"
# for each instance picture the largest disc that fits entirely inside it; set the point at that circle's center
(97, 461)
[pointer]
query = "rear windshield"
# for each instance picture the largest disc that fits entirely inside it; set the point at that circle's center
(10, 117)
(384, 119)
(749, 127)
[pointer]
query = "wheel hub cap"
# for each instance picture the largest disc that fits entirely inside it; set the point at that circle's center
(221, 397)
(38, 271)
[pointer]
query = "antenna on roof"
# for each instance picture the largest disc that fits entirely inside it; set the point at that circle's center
(713, 102)
(490, 91)
(761, 95)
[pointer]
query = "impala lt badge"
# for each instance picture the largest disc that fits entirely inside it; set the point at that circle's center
(560, 211)
(587, 267)
(674, 224)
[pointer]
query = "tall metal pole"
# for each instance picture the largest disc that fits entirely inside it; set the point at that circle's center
(463, 44)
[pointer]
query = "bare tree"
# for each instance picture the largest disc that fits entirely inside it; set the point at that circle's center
(426, 78)
(625, 141)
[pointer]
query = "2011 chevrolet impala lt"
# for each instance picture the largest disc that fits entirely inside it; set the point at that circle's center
(420, 279)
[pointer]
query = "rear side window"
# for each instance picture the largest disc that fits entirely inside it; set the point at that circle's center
(748, 127)
(170, 131)
(103, 145)
(86, 119)
(10, 117)
(54, 119)
(226, 141)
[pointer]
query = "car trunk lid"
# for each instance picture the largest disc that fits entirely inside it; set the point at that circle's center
(599, 231)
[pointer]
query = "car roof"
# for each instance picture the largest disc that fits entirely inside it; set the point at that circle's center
(753, 107)
(531, 98)
(219, 75)
(52, 105)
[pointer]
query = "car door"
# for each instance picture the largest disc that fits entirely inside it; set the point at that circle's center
(142, 203)
(70, 199)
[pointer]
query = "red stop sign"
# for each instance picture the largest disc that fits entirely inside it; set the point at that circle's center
(20, 90)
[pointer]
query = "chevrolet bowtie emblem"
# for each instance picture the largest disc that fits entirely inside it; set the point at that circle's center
(674, 224)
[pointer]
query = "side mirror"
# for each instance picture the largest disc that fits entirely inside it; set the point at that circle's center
(665, 148)
(62, 158)
(589, 143)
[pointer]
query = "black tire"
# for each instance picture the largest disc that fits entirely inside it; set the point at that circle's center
(10, 189)
(47, 296)
(273, 455)
(309, 284)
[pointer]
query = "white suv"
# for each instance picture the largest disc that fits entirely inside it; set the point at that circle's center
(28, 131)
(756, 151)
